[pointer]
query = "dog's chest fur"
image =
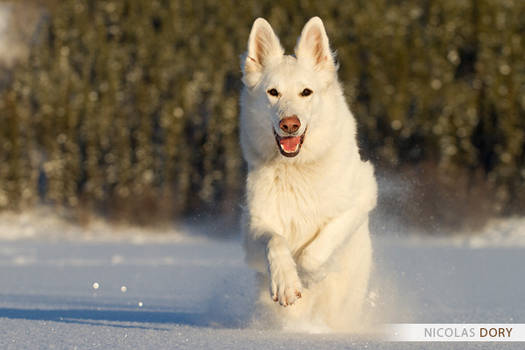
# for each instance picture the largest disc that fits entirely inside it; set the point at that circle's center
(296, 199)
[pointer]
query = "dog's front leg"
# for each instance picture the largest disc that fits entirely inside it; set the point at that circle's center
(331, 237)
(285, 285)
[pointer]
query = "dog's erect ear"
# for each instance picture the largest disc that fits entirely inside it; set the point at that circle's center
(313, 48)
(263, 47)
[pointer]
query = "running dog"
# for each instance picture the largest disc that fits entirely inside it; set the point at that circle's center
(308, 193)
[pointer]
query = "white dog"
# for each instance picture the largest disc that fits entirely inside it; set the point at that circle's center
(308, 192)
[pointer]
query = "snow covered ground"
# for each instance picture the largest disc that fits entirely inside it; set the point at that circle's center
(67, 287)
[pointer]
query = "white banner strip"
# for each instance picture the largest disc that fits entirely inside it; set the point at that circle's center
(454, 332)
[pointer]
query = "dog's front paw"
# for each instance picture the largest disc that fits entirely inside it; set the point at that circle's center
(310, 267)
(285, 286)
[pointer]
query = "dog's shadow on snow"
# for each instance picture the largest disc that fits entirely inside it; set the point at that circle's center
(227, 306)
(130, 318)
(126, 318)
(112, 318)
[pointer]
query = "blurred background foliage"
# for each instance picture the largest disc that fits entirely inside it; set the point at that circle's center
(128, 108)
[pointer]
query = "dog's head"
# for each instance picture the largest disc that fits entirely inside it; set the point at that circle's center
(284, 93)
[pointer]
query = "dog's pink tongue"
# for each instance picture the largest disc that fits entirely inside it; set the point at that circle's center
(289, 144)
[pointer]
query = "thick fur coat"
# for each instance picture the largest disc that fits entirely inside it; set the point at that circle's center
(308, 193)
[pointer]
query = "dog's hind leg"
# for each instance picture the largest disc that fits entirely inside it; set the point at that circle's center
(347, 286)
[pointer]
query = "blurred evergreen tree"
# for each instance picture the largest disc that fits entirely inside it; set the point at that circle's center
(129, 107)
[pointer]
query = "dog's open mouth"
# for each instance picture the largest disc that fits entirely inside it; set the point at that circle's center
(289, 146)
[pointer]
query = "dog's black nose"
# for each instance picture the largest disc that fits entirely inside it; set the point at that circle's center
(290, 124)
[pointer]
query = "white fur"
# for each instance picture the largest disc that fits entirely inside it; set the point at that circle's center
(306, 219)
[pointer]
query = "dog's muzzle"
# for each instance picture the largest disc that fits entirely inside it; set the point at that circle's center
(289, 146)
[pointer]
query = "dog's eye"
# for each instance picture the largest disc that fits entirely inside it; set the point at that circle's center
(306, 92)
(273, 92)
